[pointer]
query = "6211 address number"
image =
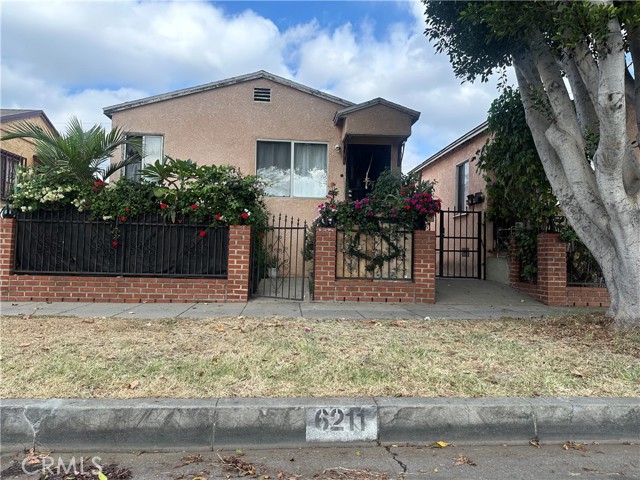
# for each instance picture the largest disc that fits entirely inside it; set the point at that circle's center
(337, 419)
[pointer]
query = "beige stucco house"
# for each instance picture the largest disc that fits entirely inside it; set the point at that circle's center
(18, 151)
(300, 139)
(462, 188)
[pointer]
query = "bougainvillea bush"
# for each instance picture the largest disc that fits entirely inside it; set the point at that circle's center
(176, 189)
(397, 203)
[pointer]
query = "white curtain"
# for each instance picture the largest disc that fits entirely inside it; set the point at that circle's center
(310, 170)
(274, 166)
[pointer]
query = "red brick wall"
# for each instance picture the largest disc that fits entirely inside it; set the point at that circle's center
(67, 288)
(421, 290)
(551, 287)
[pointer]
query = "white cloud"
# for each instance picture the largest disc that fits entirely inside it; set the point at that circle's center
(74, 58)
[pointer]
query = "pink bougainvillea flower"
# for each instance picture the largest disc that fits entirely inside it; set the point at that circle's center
(123, 218)
(218, 217)
(163, 206)
(202, 233)
(115, 243)
(244, 215)
(194, 206)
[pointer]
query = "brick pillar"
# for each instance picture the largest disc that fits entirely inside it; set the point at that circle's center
(424, 265)
(239, 260)
(324, 265)
(7, 254)
(552, 269)
(514, 264)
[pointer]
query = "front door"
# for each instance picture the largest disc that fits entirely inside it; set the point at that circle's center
(364, 164)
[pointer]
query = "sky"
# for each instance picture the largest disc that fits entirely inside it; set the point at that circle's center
(73, 58)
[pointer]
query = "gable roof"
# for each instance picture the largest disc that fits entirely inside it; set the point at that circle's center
(261, 74)
(15, 114)
(456, 143)
(415, 115)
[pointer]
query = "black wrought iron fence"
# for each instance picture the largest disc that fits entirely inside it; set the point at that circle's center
(367, 256)
(69, 242)
(582, 268)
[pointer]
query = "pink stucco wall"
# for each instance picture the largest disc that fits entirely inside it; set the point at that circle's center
(222, 126)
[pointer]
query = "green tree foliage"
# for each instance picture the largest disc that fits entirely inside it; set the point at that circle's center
(581, 96)
(517, 186)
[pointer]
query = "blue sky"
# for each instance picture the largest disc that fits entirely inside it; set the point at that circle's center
(73, 58)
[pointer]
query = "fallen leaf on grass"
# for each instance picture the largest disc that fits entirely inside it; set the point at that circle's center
(24, 345)
(133, 385)
(575, 446)
(462, 460)
(578, 374)
(88, 320)
(441, 444)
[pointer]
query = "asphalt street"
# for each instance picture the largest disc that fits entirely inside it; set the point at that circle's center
(590, 461)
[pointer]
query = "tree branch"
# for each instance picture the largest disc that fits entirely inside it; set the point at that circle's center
(583, 101)
(580, 196)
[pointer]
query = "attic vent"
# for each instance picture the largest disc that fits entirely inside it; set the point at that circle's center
(262, 95)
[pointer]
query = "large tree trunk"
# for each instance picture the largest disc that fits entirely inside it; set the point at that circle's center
(599, 196)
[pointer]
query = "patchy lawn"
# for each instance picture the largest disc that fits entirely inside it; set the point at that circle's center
(573, 355)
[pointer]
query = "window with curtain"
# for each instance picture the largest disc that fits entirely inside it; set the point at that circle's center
(462, 181)
(152, 146)
(293, 169)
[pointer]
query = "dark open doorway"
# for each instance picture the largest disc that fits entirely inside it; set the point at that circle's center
(364, 164)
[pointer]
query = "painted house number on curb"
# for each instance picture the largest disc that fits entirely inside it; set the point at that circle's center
(342, 424)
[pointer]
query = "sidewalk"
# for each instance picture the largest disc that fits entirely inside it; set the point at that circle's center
(456, 299)
(204, 424)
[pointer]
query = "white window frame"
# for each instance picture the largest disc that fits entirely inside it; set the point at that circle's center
(144, 159)
(462, 196)
(292, 163)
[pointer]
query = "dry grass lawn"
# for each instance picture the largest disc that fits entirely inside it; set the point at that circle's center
(247, 357)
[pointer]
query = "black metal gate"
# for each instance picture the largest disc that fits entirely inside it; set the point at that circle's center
(460, 244)
(277, 260)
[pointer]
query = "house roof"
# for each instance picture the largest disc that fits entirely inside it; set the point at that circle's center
(415, 115)
(14, 114)
(456, 143)
(109, 111)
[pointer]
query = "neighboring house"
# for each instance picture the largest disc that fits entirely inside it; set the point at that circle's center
(18, 151)
(461, 187)
(300, 139)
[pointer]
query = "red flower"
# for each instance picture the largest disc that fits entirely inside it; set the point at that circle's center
(218, 217)
(115, 243)
(127, 209)
(202, 233)
(244, 215)
(123, 218)
(163, 206)
(194, 206)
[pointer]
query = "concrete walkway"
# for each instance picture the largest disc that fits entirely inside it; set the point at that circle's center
(455, 299)
(205, 424)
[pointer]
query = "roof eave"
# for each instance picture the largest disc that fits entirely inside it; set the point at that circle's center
(261, 74)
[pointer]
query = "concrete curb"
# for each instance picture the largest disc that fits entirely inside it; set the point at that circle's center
(205, 424)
